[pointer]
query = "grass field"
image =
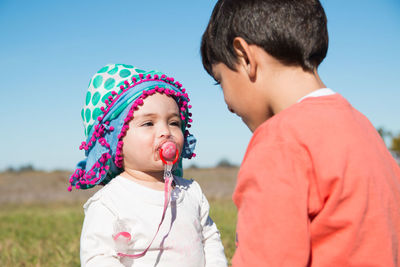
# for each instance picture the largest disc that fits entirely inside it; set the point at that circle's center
(40, 235)
(33, 233)
(43, 235)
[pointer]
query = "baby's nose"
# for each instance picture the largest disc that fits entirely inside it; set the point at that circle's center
(165, 131)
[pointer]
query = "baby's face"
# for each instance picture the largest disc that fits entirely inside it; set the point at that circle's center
(154, 123)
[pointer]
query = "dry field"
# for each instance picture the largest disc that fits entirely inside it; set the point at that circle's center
(37, 187)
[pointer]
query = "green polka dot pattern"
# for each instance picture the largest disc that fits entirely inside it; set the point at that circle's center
(96, 98)
(106, 96)
(124, 73)
(106, 80)
(120, 83)
(113, 71)
(88, 114)
(109, 84)
(97, 112)
(97, 81)
(104, 69)
(88, 96)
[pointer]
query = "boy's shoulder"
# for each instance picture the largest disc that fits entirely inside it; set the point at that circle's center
(307, 115)
(313, 122)
(317, 124)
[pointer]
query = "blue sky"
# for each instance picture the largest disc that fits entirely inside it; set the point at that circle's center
(50, 49)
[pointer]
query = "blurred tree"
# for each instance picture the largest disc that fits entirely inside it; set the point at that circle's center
(225, 163)
(381, 131)
(10, 169)
(395, 147)
(26, 168)
(385, 134)
(193, 166)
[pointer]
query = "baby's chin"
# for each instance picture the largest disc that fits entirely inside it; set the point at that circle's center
(147, 167)
(157, 166)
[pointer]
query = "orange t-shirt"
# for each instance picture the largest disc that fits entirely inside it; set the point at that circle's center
(318, 187)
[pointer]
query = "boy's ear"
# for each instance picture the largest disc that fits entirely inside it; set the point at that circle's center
(245, 56)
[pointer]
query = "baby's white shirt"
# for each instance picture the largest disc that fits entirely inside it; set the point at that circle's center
(187, 237)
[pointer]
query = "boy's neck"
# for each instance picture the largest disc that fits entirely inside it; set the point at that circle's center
(274, 86)
(153, 180)
(282, 85)
(290, 85)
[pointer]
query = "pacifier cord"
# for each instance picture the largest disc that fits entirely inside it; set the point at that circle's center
(168, 178)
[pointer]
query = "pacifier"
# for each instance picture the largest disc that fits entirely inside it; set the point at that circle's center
(169, 153)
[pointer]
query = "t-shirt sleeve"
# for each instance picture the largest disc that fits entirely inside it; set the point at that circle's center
(213, 248)
(271, 196)
(97, 244)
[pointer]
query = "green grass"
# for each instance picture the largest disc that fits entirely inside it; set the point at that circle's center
(223, 213)
(43, 235)
(40, 235)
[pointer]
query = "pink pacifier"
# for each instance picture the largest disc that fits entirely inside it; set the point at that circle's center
(169, 153)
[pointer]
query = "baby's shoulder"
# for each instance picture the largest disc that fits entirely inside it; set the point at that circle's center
(106, 196)
(188, 185)
(183, 181)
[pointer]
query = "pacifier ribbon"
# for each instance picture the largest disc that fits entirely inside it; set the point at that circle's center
(169, 155)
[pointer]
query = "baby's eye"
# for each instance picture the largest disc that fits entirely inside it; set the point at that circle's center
(175, 123)
(147, 124)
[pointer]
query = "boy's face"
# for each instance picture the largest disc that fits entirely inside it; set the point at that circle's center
(240, 95)
(155, 122)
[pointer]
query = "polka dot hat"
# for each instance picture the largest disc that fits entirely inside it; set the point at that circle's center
(101, 86)
(114, 93)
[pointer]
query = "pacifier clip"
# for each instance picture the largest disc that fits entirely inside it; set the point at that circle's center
(169, 155)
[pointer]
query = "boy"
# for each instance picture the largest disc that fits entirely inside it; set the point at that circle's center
(317, 186)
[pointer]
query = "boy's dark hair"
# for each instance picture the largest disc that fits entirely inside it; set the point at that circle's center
(293, 31)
